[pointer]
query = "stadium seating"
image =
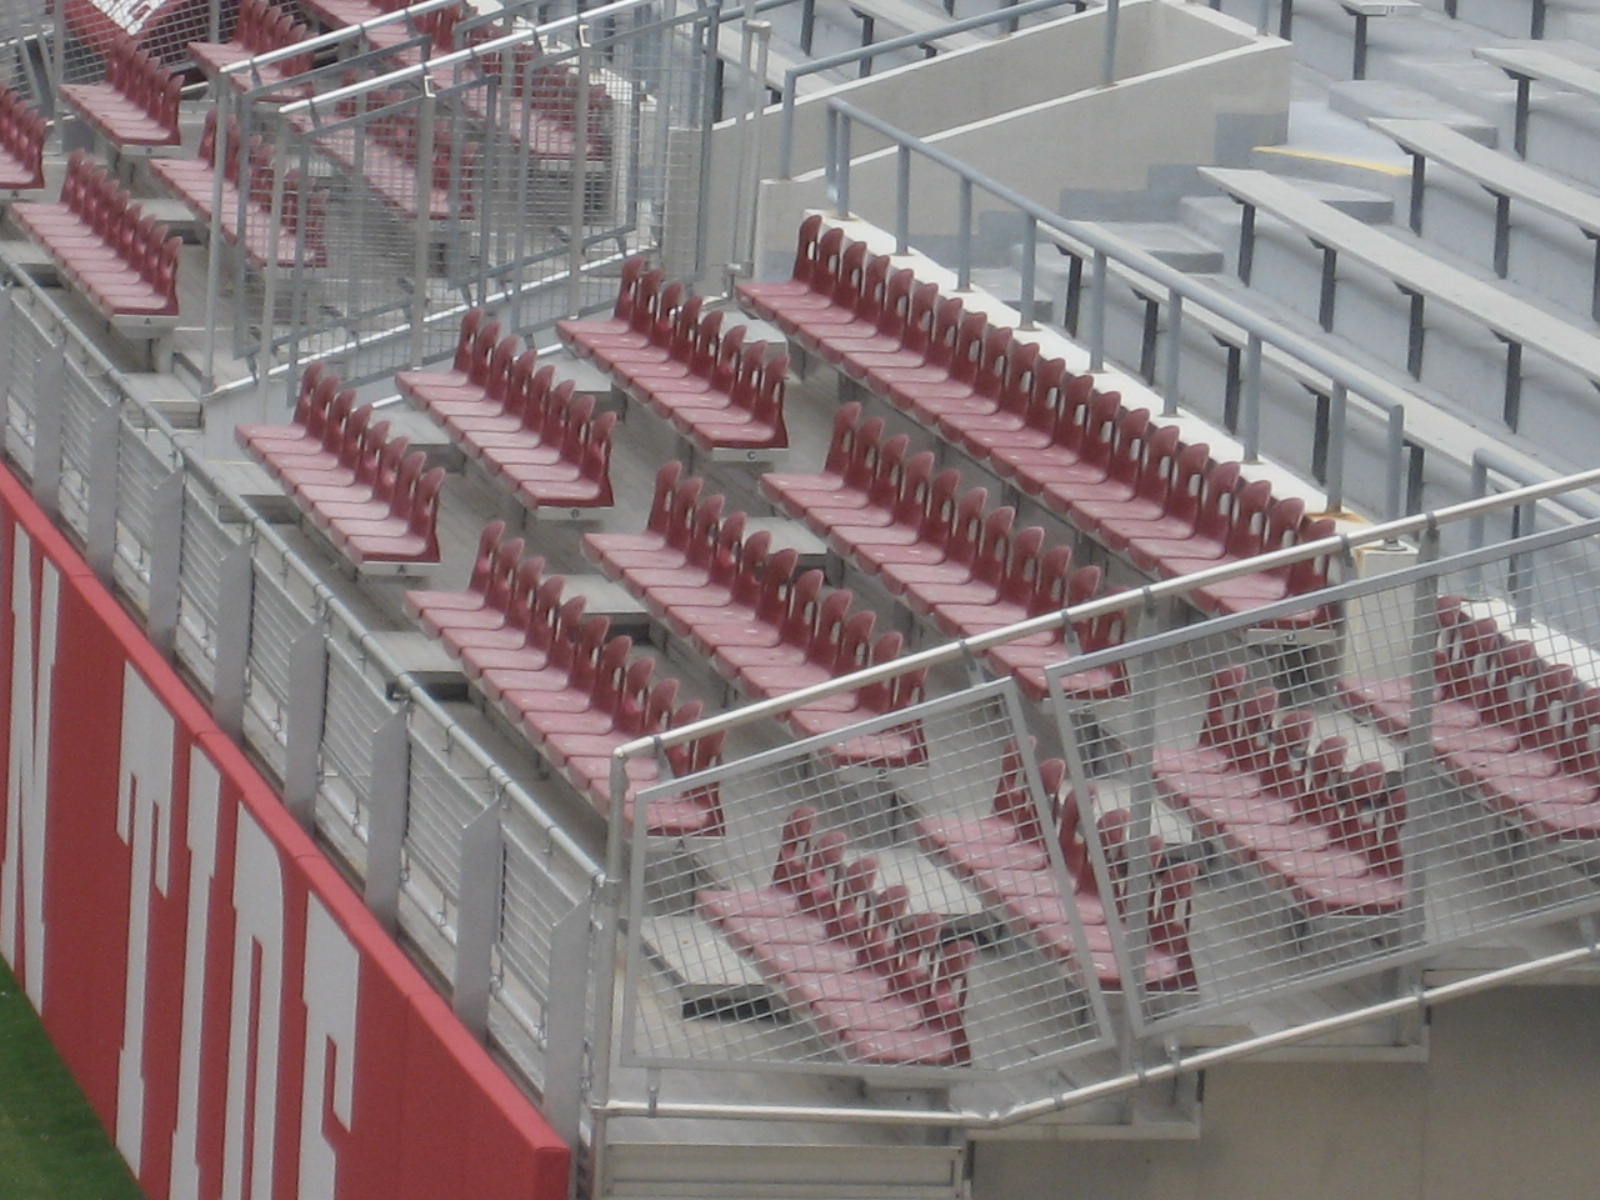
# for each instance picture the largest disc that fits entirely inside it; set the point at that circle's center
(943, 554)
(576, 693)
(1135, 486)
(120, 260)
(880, 983)
(528, 432)
(540, 112)
(1515, 728)
(262, 27)
(136, 106)
(734, 599)
(247, 190)
(718, 391)
(1256, 786)
(22, 134)
(1005, 858)
(382, 149)
(358, 486)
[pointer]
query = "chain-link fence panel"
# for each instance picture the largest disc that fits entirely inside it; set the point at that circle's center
(836, 923)
(1321, 790)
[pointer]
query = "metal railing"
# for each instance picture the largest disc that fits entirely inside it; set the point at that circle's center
(1445, 858)
(452, 849)
(1349, 386)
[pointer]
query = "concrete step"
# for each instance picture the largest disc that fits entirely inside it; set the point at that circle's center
(1363, 99)
(1171, 243)
(781, 1171)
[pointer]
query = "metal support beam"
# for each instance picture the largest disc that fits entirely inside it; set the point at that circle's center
(1502, 233)
(1247, 243)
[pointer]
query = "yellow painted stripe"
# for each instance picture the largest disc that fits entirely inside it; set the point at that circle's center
(1366, 164)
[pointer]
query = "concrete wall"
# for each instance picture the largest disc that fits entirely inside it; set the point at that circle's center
(1108, 140)
(1503, 1109)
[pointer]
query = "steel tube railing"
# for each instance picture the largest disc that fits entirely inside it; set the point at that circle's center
(966, 648)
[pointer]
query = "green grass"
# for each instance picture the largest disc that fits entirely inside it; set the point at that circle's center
(52, 1146)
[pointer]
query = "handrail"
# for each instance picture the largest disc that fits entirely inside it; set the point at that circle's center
(1346, 378)
(334, 37)
(456, 58)
(965, 648)
(332, 606)
(905, 41)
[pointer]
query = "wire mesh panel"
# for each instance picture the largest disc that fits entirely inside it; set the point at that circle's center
(444, 796)
(521, 170)
(836, 925)
(541, 886)
(207, 541)
(145, 461)
(30, 343)
(1311, 795)
(26, 39)
(279, 619)
(85, 399)
(355, 708)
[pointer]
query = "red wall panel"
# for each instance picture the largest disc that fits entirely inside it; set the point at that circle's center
(237, 1018)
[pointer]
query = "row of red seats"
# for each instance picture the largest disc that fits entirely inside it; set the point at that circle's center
(137, 102)
(22, 132)
(1005, 857)
(943, 553)
(885, 985)
(121, 259)
(1148, 497)
(539, 105)
(715, 389)
(382, 149)
(529, 431)
(373, 500)
(575, 692)
(1522, 732)
(1256, 785)
(262, 27)
(247, 198)
(735, 599)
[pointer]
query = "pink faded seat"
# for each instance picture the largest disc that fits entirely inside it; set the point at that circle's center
(122, 261)
(22, 134)
(136, 105)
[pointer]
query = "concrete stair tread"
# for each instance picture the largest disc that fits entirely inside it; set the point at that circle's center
(1366, 98)
(1171, 243)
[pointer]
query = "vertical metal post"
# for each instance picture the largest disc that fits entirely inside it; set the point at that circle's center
(1140, 881)
(219, 160)
(48, 411)
(1030, 249)
(1536, 17)
(1286, 19)
(1149, 330)
(1338, 431)
(235, 575)
(1108, 61)
(964, 236)
(1174, 354)
(579, 177)
(1072, 302)
(1330, 284)
(808, 22)
(423, 245)
(843, 209)
(166, 560)
(100, 532)
(477, 919)
(1519, 127)
(1358, 65)
(58, 64)
(1419, 774)
(1511, 406)
(786, 130)
(1097, 313)
(566, 1012)
(1594, 289)
(1519, 570)
(269, 297)
(302, 735)
(1395, 457)
(1247, 243)
(1419, 189)
(1263, 15)
(1252, 399)
(607, 940)
(1416, 331)
(387, 802)
(1502, 233)
(902, 205)
(762, 31)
